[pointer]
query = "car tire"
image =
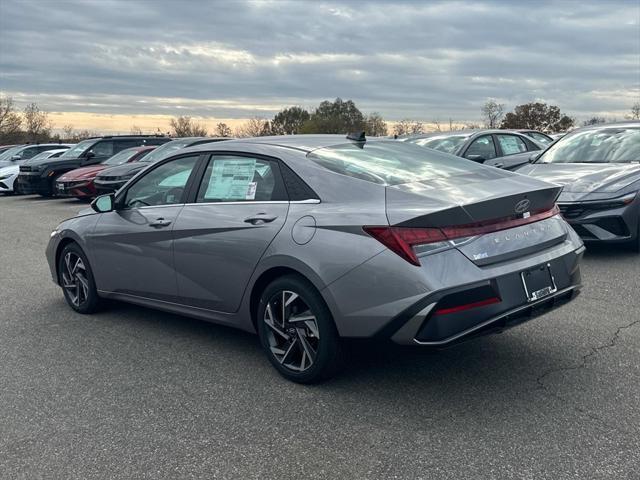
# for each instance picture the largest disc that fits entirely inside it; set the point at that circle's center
(76, 280)
(301, 341)
(636, 244)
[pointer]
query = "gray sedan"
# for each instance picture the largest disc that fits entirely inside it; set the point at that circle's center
(599, 168)
(307, 240)
(506, 149)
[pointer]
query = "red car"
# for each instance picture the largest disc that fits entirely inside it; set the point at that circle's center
(79, 182)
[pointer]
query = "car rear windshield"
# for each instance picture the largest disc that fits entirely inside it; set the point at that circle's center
(616, 144)
(446, 143)
(79, 149)
(390, 163)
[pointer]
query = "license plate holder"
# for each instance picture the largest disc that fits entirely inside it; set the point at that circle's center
(538, 282)
(60, 186)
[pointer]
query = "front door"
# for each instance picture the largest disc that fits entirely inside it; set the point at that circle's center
(133, 245)
(240, 207)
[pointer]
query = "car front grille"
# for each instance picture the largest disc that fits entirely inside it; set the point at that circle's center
(572, 211)
(25, 168)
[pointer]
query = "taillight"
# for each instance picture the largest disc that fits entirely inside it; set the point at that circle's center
(404, 240)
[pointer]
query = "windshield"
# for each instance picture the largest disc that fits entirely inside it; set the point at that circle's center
(164, 150)
(603, 145)
(79, 149)
(7, 154)
(390, 163)
(446, 144)
(121, 157)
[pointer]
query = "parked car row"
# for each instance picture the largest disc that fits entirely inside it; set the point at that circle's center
(310, 239)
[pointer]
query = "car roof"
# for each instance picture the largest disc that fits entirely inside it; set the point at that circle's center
(602, 126)
(466, 133)
(305, 143)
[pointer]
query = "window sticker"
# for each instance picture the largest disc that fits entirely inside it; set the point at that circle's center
(251, 191)
(232, 179)
(510, 145)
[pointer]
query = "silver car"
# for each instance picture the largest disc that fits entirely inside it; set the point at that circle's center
(307, 240)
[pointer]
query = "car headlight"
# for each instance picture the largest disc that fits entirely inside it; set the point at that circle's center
(611, 203)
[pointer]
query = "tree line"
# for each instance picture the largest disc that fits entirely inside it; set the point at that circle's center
(32, 125)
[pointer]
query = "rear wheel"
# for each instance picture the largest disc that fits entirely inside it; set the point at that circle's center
(297, 331)
(76, 279)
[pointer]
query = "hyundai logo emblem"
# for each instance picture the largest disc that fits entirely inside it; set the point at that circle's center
(522, 206)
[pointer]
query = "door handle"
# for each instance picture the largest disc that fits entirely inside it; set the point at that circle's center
(260, 218)
(498, 165)
(160, 222)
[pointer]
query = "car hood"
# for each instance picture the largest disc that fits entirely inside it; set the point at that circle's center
(9, 170)
(585, 177)
(50, 161)
(124, 170)
(82, 173)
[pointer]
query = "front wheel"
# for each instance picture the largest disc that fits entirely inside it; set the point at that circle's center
(76, 279)
(297, 331)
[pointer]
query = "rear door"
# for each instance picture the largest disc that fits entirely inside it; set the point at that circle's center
(239, 207)
(512, 151)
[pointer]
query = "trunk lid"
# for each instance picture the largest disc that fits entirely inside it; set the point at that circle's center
(482, 197)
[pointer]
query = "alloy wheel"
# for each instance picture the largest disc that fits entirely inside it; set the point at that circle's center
(74, 279)
(292, 331)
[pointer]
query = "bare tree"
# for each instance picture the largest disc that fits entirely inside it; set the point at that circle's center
(185, 126)
(635, 112)
(37, 123)
(223, 130)
(135, 130)
(10, 121)
(254, 127)
(408, 127)
(68, 132)
(374, 125)
(492, 113)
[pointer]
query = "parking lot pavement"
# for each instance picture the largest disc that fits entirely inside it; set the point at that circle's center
(135, 393)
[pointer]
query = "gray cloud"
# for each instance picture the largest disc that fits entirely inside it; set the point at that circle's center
(233, 59)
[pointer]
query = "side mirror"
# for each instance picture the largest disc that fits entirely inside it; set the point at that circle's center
(476, 158)
(534, 156)
(15, 158)
(104, 203)
(89, 155)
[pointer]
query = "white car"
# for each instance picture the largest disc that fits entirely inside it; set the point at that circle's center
(9, 173)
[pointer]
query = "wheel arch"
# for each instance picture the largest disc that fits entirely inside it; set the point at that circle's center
(268, 276)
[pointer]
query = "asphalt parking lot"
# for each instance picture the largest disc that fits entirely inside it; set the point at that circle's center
(135, 393)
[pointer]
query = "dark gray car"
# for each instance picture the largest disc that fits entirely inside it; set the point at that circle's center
(497, 148)
(599, 168)
(309, 239)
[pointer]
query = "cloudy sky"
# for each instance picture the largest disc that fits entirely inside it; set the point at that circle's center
(118, 61)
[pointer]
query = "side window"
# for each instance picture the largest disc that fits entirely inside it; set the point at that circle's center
(102, 149)
(482, 149)
(164, 185)
(511, 144)
(124, 144)
(541, 138)
(29, 153)
(238, 179)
